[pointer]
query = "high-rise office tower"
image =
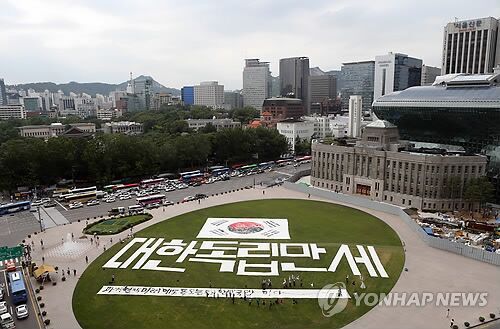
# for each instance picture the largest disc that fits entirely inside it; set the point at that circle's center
(471, 46)
(209, 93)
(257, 83)
(357, 79)
(294, 79)
(3, 93)
(429, 75)
(355, 114)
(394, 72)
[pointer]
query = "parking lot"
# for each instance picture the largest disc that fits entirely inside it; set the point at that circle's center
(15, 227)
(33, 321)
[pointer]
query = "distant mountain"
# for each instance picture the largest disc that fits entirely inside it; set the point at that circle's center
(316, 71)
(90, 88)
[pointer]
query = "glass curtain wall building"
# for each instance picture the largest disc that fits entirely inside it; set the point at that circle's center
(458, 109)
(358, 79)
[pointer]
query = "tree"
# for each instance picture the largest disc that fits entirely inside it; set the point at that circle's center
(479, 190)
(244, 115)
(302, 147)
(209, 128)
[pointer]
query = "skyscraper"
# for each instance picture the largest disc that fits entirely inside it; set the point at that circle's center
(3, 93)
(209, 93)
(429, 74)
(187, 95)
(357, 79)
(294, 79)
(394, 72)
(471, 46)
(257, 83)
(355, 114)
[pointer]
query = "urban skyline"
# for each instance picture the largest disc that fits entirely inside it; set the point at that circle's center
(371, 26)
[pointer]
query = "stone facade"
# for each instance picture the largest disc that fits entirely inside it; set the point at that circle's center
(381, 168)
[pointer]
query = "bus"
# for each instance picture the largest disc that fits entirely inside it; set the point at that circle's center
(135, 209)
(117, 211)
(152, 182)
(109, 188)
(303, 159)
(266, 165)
(212, 168)
(14, 207)
(145, 200)
(125, 187)
(17, 287)
(83, 190)
(248, 167)
(193, 178)
(220, 171)
(187, 173)
(85, 196)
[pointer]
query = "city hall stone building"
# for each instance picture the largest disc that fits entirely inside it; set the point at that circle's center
(381, 167)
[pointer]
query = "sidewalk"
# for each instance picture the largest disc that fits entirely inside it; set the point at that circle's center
(429, 269)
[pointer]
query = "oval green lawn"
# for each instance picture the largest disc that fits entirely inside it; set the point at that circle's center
(328, 225)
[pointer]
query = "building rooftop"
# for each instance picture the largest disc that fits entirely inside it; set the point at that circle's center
(458, 96)
(381, 124)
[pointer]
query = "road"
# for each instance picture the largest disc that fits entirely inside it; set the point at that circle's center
(33, 321)
(15, 227)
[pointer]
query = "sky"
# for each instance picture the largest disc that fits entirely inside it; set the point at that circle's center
(184, 42)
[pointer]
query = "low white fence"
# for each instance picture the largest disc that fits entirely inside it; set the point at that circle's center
(444, 244)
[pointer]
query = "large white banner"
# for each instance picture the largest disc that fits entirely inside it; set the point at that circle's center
(245, 228)
(223, 292)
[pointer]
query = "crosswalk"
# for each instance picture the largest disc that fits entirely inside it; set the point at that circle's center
(4, 263)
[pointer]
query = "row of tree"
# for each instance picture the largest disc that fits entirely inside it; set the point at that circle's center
(33, 162)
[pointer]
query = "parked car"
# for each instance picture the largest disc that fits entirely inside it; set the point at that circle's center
(1, 293)
(22, 311)
(3, 307)
(167, 202)
(188, 198)
(200, 196)
(75, 205)
(50, 204)
(110, 200)
(125, 197)
(93, 202)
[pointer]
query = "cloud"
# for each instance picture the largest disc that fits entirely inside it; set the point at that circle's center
(185, 42)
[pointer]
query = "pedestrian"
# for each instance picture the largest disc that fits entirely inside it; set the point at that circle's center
(43, 259)
(74, 272)
(41, 242)
(91, 241)
(62, 241)
(104, 248)
(452, 323)
(72, 237)
(113, 278)
(263, 192)
(199, 201)
(111, 240)
(448, 313)
(86, 259)
(347, 279)
(69, 272)
(309, 196)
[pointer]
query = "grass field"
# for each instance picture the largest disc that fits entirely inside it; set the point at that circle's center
(116, 225)
(326, 224)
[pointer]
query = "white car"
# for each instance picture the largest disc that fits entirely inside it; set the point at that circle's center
(110, 200)
(125, 197)
(92, 202)
(22, 311)
(37, 203)
(3, 307)
(75, 205)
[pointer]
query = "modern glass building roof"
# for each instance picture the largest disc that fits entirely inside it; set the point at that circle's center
(470, 91)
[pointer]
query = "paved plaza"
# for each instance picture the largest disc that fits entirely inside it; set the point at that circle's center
(428, 269)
